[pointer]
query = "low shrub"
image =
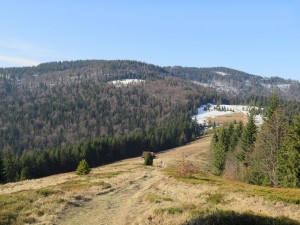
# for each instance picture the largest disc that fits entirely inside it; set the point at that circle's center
(148, 160)
(83, 168)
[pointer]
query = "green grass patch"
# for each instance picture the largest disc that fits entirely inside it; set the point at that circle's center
(17, 208)
(103, 184)
(186, 207)
(47, 192)
(104, 175)
(170, 210)
(216, 198)
(81, 184)
(154, 198)
(72, 185)
(25, 207)
(58, 200)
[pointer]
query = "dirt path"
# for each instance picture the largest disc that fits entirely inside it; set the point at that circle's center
(118, 205)
(127, 201)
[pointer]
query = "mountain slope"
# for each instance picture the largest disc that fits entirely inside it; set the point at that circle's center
(220, 78)
(238, 83)
(58, 103)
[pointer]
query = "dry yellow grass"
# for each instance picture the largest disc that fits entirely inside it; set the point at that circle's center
(127, 192)
(229, 118)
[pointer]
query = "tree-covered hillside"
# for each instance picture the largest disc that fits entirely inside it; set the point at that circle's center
(56, 114)
(62, 103)
(57, 103)
(237, 82)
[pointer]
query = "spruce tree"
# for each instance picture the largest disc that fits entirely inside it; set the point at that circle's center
(25, 174)
(239, 129)
(272, 106)
(232, 137)
(219, 150)
(268, 146)
(83, 168)
(10, 166)
(288, 158)
(248, 139)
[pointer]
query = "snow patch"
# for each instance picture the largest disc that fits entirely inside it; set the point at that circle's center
(221, 73)
(268, 86)
(283, 87)
(219, 86)
(211, 111)
(125, 82)
(201, 84)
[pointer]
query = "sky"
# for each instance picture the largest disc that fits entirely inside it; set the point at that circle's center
(258, 37)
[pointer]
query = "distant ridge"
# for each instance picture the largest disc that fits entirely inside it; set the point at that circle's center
(221, 79)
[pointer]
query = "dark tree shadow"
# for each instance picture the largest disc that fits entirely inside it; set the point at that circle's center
(234, 218)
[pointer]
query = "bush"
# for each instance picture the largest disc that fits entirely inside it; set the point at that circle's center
(185, 168)
(148, 160)
(83, 168)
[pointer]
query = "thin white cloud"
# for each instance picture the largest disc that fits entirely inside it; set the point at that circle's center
(25, 47)
(18, 61)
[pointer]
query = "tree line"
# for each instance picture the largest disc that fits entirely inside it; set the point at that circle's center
(267, 155)
(96, 151)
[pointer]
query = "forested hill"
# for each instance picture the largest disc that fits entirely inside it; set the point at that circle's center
(221, 79)
(238, 83)
(58, 103)
(71, 71)
(55, 104)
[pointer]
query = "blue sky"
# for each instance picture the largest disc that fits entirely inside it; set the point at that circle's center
(259, 37)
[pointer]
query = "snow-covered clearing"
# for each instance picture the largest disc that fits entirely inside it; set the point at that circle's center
(125, 82)
(284, 87)
(219, 86)
(211, 111)
(221, 73)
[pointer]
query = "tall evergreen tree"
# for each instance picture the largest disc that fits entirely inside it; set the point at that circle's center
(10, 166)
(272, 106)
(239, 128)
(288, 158)
(268, 145)
(219, 150)
(248, 139)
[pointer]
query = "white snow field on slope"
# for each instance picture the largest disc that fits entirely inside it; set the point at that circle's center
(212, 112)
(125, 82)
